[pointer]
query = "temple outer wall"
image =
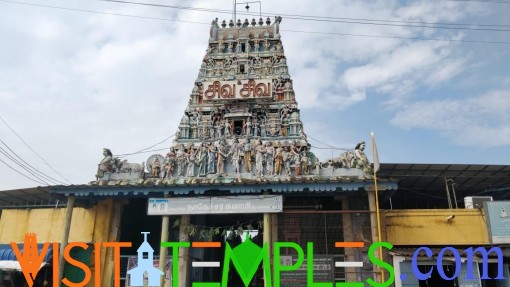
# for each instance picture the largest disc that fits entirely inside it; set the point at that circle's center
(431, 227)
(96, 224)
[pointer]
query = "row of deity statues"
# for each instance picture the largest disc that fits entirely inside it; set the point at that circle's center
(240, 156)
(197, 125)
(259, 159)
(245, 46)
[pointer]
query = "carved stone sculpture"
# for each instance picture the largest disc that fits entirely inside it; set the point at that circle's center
(181, 160)
(106, 163)
(278, 159)
(235, 151)
(169, 162)
(247, 149)
(260, 150)
(361, 161)
(269, 158)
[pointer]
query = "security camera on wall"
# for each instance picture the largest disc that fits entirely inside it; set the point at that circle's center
(450, 218)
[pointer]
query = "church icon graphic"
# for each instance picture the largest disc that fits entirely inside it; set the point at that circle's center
(145, 268)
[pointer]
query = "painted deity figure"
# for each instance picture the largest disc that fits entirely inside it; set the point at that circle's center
(269, 155)
(236, 151)
(221, 156)
(284, 113)
(106, 164)
(181, 160)
(278, 159)
(305, 163)
(211, 162)
(191, 160)
(248, 150)
(155, 168)
(287, 158)
(169, 162)
(260, 151)
(256, 129)
(247, 127)
(360, 158)
(202, 159)
(297, 164)
(212, 130)
(227, 129)
(262, 129)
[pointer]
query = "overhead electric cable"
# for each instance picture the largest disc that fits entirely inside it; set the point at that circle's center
(397, 37)
(481, 1)
(296, 31)
(103, 13)
(36, 153)
(145, 149)
(20, 172)
(10, 157)
(27, 165)
(322, 18)
(330, 146)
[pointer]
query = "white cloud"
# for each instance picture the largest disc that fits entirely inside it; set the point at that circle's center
(72, 83)
(479, 121)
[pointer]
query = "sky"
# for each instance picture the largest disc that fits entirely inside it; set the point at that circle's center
(119, 75)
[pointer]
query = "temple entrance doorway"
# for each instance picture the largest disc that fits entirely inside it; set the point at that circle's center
(231, 229)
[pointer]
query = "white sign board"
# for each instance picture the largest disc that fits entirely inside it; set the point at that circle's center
(498, 221)
(239, 90)
(215, 205)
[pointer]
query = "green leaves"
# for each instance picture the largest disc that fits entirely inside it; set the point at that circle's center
(207, 233)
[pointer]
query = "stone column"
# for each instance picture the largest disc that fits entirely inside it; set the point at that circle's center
(183, 253)
(350, 254)
(267, 239)
(163, 251)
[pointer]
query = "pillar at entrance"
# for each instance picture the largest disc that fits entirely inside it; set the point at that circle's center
(165, 222)
(183, 253)
(350, 255)
(267, 239)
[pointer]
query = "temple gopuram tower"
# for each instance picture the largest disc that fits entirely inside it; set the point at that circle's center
(243, 94)
(241, 164)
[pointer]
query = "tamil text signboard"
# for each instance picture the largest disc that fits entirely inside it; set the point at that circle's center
(238, 90)
(215, 205)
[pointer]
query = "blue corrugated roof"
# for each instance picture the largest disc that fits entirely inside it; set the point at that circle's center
(7, 253)
(160, 190)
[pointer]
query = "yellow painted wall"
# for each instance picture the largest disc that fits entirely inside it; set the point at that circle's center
(87, 225)
(430, 227)
(47, 224)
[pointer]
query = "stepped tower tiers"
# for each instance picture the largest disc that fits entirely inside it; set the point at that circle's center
(242, 121)
(243, 88)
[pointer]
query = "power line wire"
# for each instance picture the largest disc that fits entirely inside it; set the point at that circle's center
(295, 31)
(328, 145)
(481, 1)
(20, 172)
(321, 18)
(36, 153)
(145, 150)
(402, 38)
(101, 12)
(6, 154)
(28, 166)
